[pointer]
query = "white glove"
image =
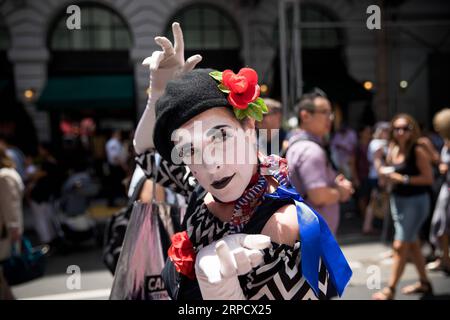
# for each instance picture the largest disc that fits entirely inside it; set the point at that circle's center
(219, 264)
(164, 65)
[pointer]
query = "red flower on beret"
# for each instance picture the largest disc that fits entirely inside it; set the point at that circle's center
(243, 87)
(243, 92)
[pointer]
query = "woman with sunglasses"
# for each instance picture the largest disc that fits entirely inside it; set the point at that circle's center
(410, 175)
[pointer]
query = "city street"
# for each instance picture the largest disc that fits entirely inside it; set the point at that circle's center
(365, 262)
(211, 121)
(366, 257)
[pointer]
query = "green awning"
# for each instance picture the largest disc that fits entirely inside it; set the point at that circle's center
(88, 92)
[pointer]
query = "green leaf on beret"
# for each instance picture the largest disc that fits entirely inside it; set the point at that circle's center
(239, 113)
(217, 75)
(254, 111)
(260, 102)
(223, 88)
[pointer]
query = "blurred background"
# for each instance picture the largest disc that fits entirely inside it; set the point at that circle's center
(65, 93)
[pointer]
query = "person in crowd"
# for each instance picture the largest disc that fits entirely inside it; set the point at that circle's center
(99, 140)
(440, 224)
(11, 214)
(45, 186)
(343, 144)
(428, 141)
(376, 154)
(360, 180)
(129, 161)
(78, 190)
(241, 225)
(271, 135)
(16, 155)
(116, 163)
(410, 175)
(310, 166)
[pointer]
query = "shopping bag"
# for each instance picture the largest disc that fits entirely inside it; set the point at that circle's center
(25, 264)
(138, 271)
(115, 229)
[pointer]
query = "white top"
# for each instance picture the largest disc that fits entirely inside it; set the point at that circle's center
(114, 151)
(374, 146)
(445, 155)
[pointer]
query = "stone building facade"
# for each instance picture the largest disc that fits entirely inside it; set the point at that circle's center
(416, 45)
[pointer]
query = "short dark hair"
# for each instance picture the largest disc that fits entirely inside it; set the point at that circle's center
(306, 102)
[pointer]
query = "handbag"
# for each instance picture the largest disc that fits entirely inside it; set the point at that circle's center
(115, 229)
(142, 257)
(379, 203)
(25, 265)
(138, 272)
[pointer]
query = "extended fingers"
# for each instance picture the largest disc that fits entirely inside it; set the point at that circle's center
(154, 60)
(192, 62)
(178, 38)
(166, 45)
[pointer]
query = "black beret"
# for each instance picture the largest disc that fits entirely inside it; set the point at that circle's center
(183, 99)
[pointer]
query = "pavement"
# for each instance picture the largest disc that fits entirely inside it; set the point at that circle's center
(367, 255)
(371, 266)
(59, 282)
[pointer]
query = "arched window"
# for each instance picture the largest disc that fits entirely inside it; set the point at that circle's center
(4, 36)
(101, 29)
(206, 27)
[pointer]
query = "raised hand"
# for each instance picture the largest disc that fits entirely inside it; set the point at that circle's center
(164, 66)
(169, 63)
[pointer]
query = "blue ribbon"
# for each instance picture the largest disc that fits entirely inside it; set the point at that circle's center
(317, 241)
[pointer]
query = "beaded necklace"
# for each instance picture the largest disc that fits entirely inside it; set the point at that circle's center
(252, 197)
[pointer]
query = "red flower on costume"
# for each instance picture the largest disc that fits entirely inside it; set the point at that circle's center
(243, 87)
(182, 254)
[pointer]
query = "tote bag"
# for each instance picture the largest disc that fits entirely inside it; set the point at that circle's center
(138, 271)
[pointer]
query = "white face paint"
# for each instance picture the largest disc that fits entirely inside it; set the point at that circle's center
(220, 154)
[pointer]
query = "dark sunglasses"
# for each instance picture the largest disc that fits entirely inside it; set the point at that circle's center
(406, 128)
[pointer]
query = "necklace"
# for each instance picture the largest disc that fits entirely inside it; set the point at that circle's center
(252, 197)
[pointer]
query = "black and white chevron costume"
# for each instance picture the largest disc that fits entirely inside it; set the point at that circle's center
(278, 278)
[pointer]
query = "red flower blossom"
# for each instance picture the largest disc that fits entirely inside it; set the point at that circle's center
(243, 87)
(182, 254)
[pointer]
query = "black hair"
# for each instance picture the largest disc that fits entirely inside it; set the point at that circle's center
(306, 102)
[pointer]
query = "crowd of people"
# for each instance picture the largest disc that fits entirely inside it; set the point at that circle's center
(387, 171)
(46, 194)
(393, 171)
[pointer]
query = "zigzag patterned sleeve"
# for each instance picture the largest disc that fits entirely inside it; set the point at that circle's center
(281, 278)
(177, 178)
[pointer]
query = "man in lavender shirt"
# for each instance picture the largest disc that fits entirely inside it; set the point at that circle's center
(310, 168)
